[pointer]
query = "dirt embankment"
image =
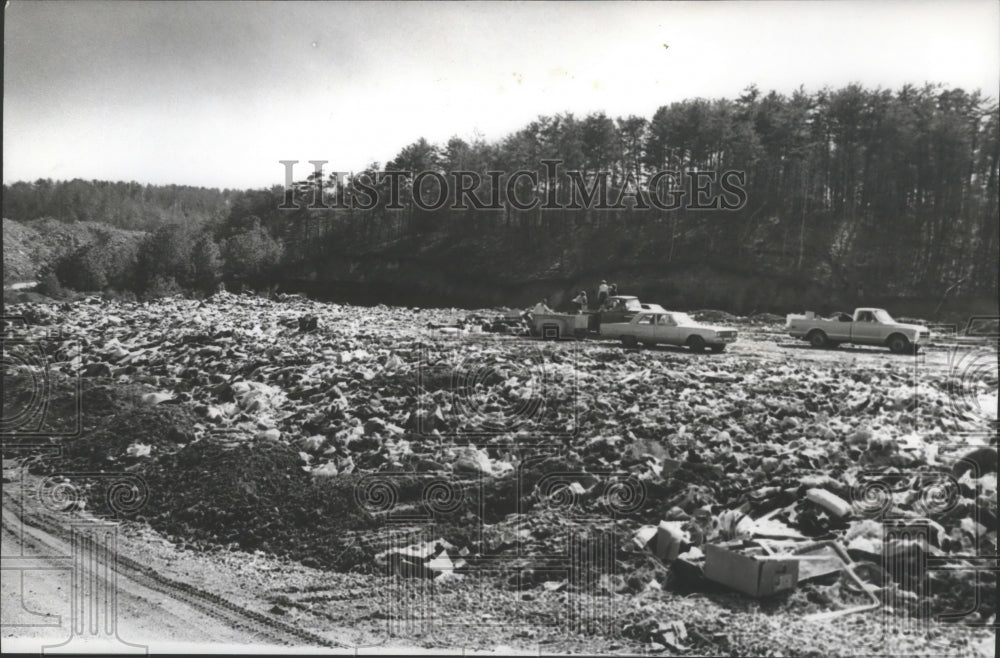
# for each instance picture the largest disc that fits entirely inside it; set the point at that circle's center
(31, 248)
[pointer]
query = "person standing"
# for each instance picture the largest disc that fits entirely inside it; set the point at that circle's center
(613, 290)
(602, 293)
(542, 306)
(581, 300)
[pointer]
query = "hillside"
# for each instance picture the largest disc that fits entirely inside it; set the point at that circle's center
(30, 248)
(726, 263)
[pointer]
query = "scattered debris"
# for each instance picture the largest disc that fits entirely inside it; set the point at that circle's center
(264, 413)
(429, 559)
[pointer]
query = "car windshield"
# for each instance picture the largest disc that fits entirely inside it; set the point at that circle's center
(883, 316)
(682, 319)
(633, 305)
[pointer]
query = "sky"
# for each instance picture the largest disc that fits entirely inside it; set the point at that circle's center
(214, 94)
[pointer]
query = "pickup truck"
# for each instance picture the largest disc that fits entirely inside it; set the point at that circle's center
(553, 326)
(868, 326)
(620, 308)
(669, 328)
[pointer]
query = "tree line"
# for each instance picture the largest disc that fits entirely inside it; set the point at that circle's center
(130, 206)
(896, 191)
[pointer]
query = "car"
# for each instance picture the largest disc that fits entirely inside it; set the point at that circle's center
(669, 328)
(868, 326)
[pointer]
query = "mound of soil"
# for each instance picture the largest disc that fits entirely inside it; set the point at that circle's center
(257, 496)
(31, 248)
(162, 428)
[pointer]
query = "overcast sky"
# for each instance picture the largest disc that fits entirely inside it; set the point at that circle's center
(215, 93)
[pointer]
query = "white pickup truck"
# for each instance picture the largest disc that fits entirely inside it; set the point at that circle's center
(868, 326)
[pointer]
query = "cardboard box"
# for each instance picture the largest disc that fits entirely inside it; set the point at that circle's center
(756, 575)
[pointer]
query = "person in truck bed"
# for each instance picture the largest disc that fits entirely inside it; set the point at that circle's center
(602, 293)
(581, 301)
(615, 305)
(542, 306)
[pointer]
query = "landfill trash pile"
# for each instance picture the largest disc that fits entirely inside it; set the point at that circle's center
(255, 420)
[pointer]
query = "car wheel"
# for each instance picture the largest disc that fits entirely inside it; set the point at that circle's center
(818, 339)
(696, 343)
(898, 344)
(629, 341)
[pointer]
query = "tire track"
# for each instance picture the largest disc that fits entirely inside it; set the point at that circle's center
(208, 603)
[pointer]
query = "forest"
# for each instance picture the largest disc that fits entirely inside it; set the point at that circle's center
(851, 195)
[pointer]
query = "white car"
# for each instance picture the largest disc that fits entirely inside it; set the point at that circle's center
(669, 328)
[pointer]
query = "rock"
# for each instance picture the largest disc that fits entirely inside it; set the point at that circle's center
(473, 460)
(311, 443)
(328, 469)
(268, 435)
(211, 351)
(612, 584)
(97, 370)
(156, 398)
(137, 450)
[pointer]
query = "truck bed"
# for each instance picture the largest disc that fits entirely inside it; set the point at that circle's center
(799, 326)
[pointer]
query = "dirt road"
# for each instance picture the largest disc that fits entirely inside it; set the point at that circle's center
(64, 591)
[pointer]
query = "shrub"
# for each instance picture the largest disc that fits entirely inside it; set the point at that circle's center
(206, 265)
(98, 266)
(50, 286)
(162, 286)
(183, 253)
(251, 256)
